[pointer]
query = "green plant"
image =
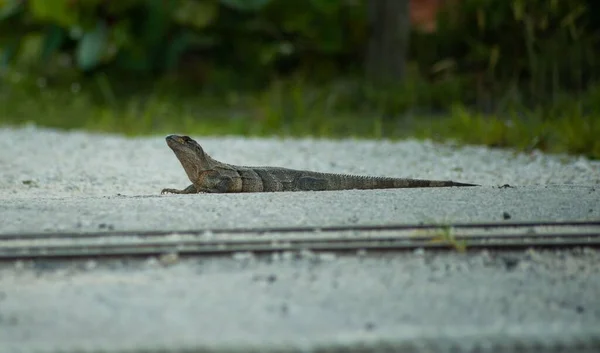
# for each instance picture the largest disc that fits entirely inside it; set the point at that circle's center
(292, 107)
(158, 36)
(542, 47)
(444, 235)
(494, 55)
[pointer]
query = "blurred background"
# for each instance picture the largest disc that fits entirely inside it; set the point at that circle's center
(504, 73)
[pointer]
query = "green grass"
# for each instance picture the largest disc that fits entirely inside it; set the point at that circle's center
(296, 108)
(446, 236)
(570, 132)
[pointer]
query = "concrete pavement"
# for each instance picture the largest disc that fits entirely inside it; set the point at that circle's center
(530, 301)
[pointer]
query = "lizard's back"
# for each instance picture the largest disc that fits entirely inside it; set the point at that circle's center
(268, 179)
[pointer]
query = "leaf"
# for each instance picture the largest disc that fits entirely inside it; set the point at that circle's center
(245, 5)
(494, 57)
(175, 49)
(156, 23)
(91, 47)
(326, 6)
(330, 39)
(443, 65)
(52, 41)
(481, 19)
(518, 9)
(57, 11)
(121, 34)
(196, 14)
(9, 51)
(572, 16)
(134, 59)
(12, 20)
(10, 8)
(119, 7)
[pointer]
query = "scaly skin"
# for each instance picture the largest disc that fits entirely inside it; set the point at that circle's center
(209, 175)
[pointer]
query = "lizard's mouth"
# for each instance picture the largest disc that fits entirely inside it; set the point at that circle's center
(174, 138)
(182, 140)
(176, 142)
(184, 147)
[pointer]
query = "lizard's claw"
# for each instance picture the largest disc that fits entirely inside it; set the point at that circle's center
(169, 191)
(189, 190)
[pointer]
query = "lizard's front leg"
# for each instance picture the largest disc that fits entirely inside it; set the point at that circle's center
(214, 182)
(189, 190)
(211, 182)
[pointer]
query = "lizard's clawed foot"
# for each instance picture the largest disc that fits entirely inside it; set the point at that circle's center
(189, 190)
(170, 191)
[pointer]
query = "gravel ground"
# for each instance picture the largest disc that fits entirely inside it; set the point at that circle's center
(534, 301)
(39, 162)
(53, 181)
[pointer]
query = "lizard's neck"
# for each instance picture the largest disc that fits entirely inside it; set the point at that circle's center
(197, 165)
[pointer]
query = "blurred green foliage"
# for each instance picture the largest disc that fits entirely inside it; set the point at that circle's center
(539, 47)
(503, 73)
(206, 37)
(536, 48)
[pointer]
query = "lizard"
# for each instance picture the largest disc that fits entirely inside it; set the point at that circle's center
(211, 176)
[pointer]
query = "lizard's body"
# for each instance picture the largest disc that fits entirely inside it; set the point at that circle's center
(209, 175)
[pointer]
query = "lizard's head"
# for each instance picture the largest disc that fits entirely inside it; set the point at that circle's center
(190, 154)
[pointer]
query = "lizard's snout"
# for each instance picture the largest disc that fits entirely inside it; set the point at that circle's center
(175, 139)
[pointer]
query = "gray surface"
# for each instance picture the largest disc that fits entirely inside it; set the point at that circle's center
(305, 301)
(58, 164)
(55, 181)
(181, 212)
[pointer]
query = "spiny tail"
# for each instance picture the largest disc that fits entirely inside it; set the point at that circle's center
(421, 183)
(347, 182)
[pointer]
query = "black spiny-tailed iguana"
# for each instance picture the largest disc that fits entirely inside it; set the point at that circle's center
(209, 175)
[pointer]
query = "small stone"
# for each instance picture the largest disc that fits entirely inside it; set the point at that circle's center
(243, 256)
(19, 265)
(327, 256)
(287, 255)
(284, 309)
(169, 259)
(90, 265)
(588, 251)
(151, 262)
(275, 257)
(510, 262)
(419, 251)
(533, 255)
(307, 254)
